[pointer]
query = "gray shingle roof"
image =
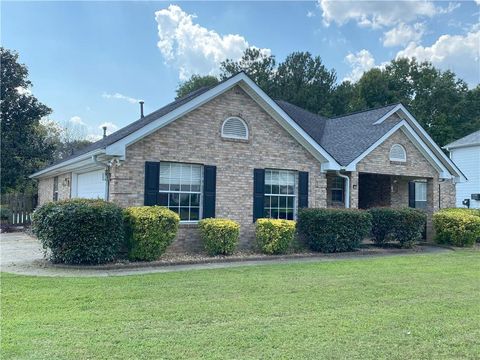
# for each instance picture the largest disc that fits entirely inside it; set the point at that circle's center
(347, 136)
(471, 139)
(344, 137)
(127, 130)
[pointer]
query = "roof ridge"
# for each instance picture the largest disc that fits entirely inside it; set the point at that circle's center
(362, 111)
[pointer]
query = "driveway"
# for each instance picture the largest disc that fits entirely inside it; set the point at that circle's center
(22, 254)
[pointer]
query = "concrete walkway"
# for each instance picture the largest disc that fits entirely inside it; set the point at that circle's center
(22, 254)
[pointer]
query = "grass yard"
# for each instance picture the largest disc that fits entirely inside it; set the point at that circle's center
(404, 307)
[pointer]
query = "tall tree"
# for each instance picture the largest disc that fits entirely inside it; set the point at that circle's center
(304, 81)
(24, 144)
(257, 64)
(194, 83)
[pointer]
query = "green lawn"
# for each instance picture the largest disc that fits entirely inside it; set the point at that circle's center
(404, 307)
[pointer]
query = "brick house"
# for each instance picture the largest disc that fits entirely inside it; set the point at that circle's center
(231, 151)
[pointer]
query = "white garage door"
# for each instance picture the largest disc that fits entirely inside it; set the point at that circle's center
(91, 185)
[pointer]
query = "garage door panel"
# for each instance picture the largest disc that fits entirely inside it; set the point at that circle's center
(91, 185)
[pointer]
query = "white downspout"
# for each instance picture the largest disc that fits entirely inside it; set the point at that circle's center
(347, 189)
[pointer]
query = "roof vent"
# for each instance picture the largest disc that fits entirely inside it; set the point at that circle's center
(235, 128)
(104, 131)
(141, 102)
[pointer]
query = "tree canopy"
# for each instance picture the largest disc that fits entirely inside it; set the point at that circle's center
(439, 100)
(28, 141)
(25, 146)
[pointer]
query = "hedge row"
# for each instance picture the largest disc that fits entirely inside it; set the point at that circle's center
(82, 231)
(458, 227)
(405, 225)
(94, 231)
(333, 230)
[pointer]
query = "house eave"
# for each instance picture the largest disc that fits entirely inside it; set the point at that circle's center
(76, 163)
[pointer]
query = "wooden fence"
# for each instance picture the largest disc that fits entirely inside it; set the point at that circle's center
(21, 207)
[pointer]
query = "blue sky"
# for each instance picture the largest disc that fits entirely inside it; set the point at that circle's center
(91, 61)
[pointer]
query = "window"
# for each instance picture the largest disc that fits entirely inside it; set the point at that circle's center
(181, 189)
(398, 153)
(55, 188)
(337, 188)
(280, 199)
(235, 128)
(420, 195)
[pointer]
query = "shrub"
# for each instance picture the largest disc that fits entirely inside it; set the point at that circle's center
(80, 231)
(408, 226)
(149, 230)
(333, 230)
(274, 236)
(458, 227)
(219, 236)
(383, 220)
(5, 213)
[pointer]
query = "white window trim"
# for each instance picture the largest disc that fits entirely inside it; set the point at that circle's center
(294, 195)
(233, 136)
(200, 210)
(403, 159)
(342, 189)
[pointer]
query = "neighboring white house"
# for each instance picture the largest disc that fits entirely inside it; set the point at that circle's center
(465, 153)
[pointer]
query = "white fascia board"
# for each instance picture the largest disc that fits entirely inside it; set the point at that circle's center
(328, 162)
(119, 148)
(416, 140)
(75, 163)
(387, 115)
(450, 148)
(440, 154)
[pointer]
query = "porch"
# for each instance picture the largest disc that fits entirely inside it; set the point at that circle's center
(366, 190)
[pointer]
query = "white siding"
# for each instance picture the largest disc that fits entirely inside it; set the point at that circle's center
(468, 160)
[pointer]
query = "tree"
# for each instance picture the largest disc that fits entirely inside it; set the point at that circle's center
(256, 63)
(66, 137)
(24, 146)
(304, 81)
(194, 83)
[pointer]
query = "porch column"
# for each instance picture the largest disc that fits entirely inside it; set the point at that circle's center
(432, 205)
(354, 190)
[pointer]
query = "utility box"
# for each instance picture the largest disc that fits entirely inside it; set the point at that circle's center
(475, 196)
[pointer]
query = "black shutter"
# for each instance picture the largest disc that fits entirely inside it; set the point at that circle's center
(209, 190)
(411, 194)
(152, 178)
(302, 189)
(258, 193)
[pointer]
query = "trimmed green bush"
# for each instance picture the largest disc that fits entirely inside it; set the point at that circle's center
(383, 220)
(274, 236)
(149, 230)
(458, 227)
(333, 230)
(80, 231)
(5, 213)
(219, 236)
(409, 226)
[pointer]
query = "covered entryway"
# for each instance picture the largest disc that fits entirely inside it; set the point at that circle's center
(90, 185)
(379, 190)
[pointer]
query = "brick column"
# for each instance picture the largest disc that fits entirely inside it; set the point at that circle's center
(432, 205)
(354, 190)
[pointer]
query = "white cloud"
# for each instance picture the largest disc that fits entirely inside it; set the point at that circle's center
(402, 34)
(359, 62)
(120, 97)
(478, 2)
(93, 137)
(77, 120)
(194, 49)
(377, 14)
(23, 91)
(459, 53)
(311, 14)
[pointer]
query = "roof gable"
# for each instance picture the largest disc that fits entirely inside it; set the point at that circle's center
(472, 139)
